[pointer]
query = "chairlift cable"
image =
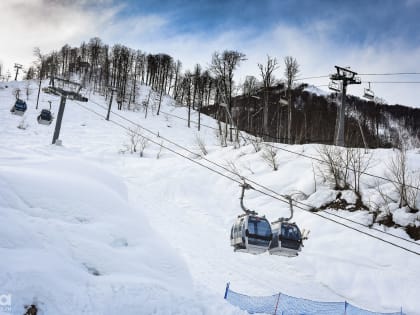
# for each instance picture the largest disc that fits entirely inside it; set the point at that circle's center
(391, 73)
(258, 190)
(395, 82)
(315, 77)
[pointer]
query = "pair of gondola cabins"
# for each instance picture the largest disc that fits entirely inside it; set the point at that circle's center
(253, 234)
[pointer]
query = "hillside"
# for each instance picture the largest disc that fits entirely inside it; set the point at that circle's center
(90, 228)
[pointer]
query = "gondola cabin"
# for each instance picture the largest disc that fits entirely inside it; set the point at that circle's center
(45, 117)
(287, 239)
(19, 108)
(251, 234)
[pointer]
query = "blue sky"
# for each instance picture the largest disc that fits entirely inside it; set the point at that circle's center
(356, 21)
(371, 36)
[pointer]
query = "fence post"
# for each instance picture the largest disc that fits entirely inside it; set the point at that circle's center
(345, 307)
(401, 311)
(227, 290)
(277, 304)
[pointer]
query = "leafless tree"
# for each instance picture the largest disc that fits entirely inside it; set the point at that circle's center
(137, 142)
(234, 169)
(406, 184)
(334, 165)
(201, 144)
(267, 76)
(256, 142)
(269, 155)
(250, 85)
(160, 151)
(223, 65)
(291, 71)
(359, 162)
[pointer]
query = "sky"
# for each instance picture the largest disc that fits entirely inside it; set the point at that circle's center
(375, 36)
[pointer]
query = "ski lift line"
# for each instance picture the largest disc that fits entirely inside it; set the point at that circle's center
(258, 190)
(194, 122)
(336, 215)
(376, 74)
(395, 82)
(372, 228)
(186, 149)
(230, 171)
(226, 169)
(220, 166)
(163, 146)
(315, 77)
(391, 73)
(343, 224)
(343, 167)
(262, 134)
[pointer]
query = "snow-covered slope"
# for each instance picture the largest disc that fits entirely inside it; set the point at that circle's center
(86, 229)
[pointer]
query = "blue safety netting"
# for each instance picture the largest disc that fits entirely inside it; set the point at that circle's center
(283, 304)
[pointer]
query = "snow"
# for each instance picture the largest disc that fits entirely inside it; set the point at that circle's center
(316, 90)
(85, 229)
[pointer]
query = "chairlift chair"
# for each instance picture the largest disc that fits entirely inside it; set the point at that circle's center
(287, 237)
(334, 86)
(19, 108)
(251, 233)
(369, 94)
(50, 90)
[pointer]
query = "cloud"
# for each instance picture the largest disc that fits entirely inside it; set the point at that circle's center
(411, 3)
(29, 23)
(312, 46)
(50, 24)
(45, 24)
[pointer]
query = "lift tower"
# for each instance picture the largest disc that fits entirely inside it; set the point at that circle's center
(72, 92)
(347, 77)
(17, 67)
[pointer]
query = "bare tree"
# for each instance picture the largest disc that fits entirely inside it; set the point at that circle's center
(291, 71)
(137, 142)
(201, 144)
(269, 155)
(256, 142)
(268, 80)
(234, 169)
(406, 184)
(160, 151)
(223, 65)
(359, 162)
(250, 85)
(334, 165)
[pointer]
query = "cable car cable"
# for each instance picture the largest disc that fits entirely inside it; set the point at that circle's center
(258, 190)
(249, 180)
(343, 167)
